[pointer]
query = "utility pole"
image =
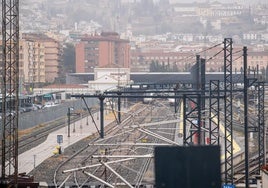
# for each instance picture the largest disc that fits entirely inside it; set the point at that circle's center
(69, 119)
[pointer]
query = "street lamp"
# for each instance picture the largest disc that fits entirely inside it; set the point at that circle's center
(74, 128)
(85, 109)
(69, 119)
(69, 114)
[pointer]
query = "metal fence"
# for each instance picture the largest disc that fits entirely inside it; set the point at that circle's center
(38, 117)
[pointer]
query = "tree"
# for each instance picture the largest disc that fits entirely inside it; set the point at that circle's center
(67, 64)
(175, 68)
(155, 66)
(69, 58)
(152, 66)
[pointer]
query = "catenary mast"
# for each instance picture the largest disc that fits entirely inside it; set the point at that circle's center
(10, 92)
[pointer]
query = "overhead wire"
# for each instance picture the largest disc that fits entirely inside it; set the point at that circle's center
(214, 55)
(190, 57)
(91, 115)
(194, 55)
(238, 51)
(237, 58)
(211, 47)
(113, 111)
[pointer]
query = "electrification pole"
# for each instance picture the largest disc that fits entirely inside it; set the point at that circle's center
(246, 117)
(228, 110)
(10, 92)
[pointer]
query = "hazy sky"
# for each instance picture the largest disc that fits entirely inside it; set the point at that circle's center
(225, 1)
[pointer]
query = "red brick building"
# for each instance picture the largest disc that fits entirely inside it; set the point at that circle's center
(102, 50)
(186, 58)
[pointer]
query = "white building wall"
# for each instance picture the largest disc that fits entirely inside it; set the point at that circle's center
(264, 178)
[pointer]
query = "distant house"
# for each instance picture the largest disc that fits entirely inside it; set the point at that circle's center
(109, 78)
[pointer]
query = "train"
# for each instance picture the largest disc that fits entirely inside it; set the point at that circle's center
(28, 103)
(147, 100)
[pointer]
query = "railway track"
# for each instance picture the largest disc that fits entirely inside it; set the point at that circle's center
(39, 134)
(239, 169)
(125, 155)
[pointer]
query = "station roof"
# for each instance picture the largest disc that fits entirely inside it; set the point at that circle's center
(156, 77)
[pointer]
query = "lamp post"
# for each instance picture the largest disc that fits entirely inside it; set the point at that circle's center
(69, 119)
(74, 128)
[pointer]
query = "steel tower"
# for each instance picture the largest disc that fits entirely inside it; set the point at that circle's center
(10, 92)
(228, 111)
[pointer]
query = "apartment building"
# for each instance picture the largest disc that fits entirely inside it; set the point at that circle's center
(185, 58)
(41, 57)
(104, 50)
(259, 58)
(32, 62)
(140, 61)
(217, 9)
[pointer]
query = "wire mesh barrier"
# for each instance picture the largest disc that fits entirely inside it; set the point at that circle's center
(38, 117)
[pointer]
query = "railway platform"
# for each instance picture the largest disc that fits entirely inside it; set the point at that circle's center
(78, 130)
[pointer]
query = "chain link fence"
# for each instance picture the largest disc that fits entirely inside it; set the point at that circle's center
(38, 117)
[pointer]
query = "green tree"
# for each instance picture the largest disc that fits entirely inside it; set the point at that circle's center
(175, 68)
(152, 66)
(69, 58)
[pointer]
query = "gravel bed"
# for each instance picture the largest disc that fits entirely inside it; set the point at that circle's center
(45, 171)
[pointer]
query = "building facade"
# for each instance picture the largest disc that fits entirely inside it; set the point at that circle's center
(109, 78)
(184, 59)
(32, 62)
(41, 58)
(102, 50)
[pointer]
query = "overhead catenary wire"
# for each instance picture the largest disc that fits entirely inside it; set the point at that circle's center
(192, 56)
(239, 57)
(214, 55)
(112, 106)
(210, 48)
(192, 62)
(214, 46)
(89, 111)
(238, 51)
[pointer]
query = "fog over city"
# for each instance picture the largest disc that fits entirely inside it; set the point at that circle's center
(142, 16)
(148, 25)
(222, 1)
(89, 89)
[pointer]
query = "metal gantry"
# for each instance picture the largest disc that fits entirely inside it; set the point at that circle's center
(191, 117)
(214, 112)
(194, 109)
(228, 111)
(10, 91)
